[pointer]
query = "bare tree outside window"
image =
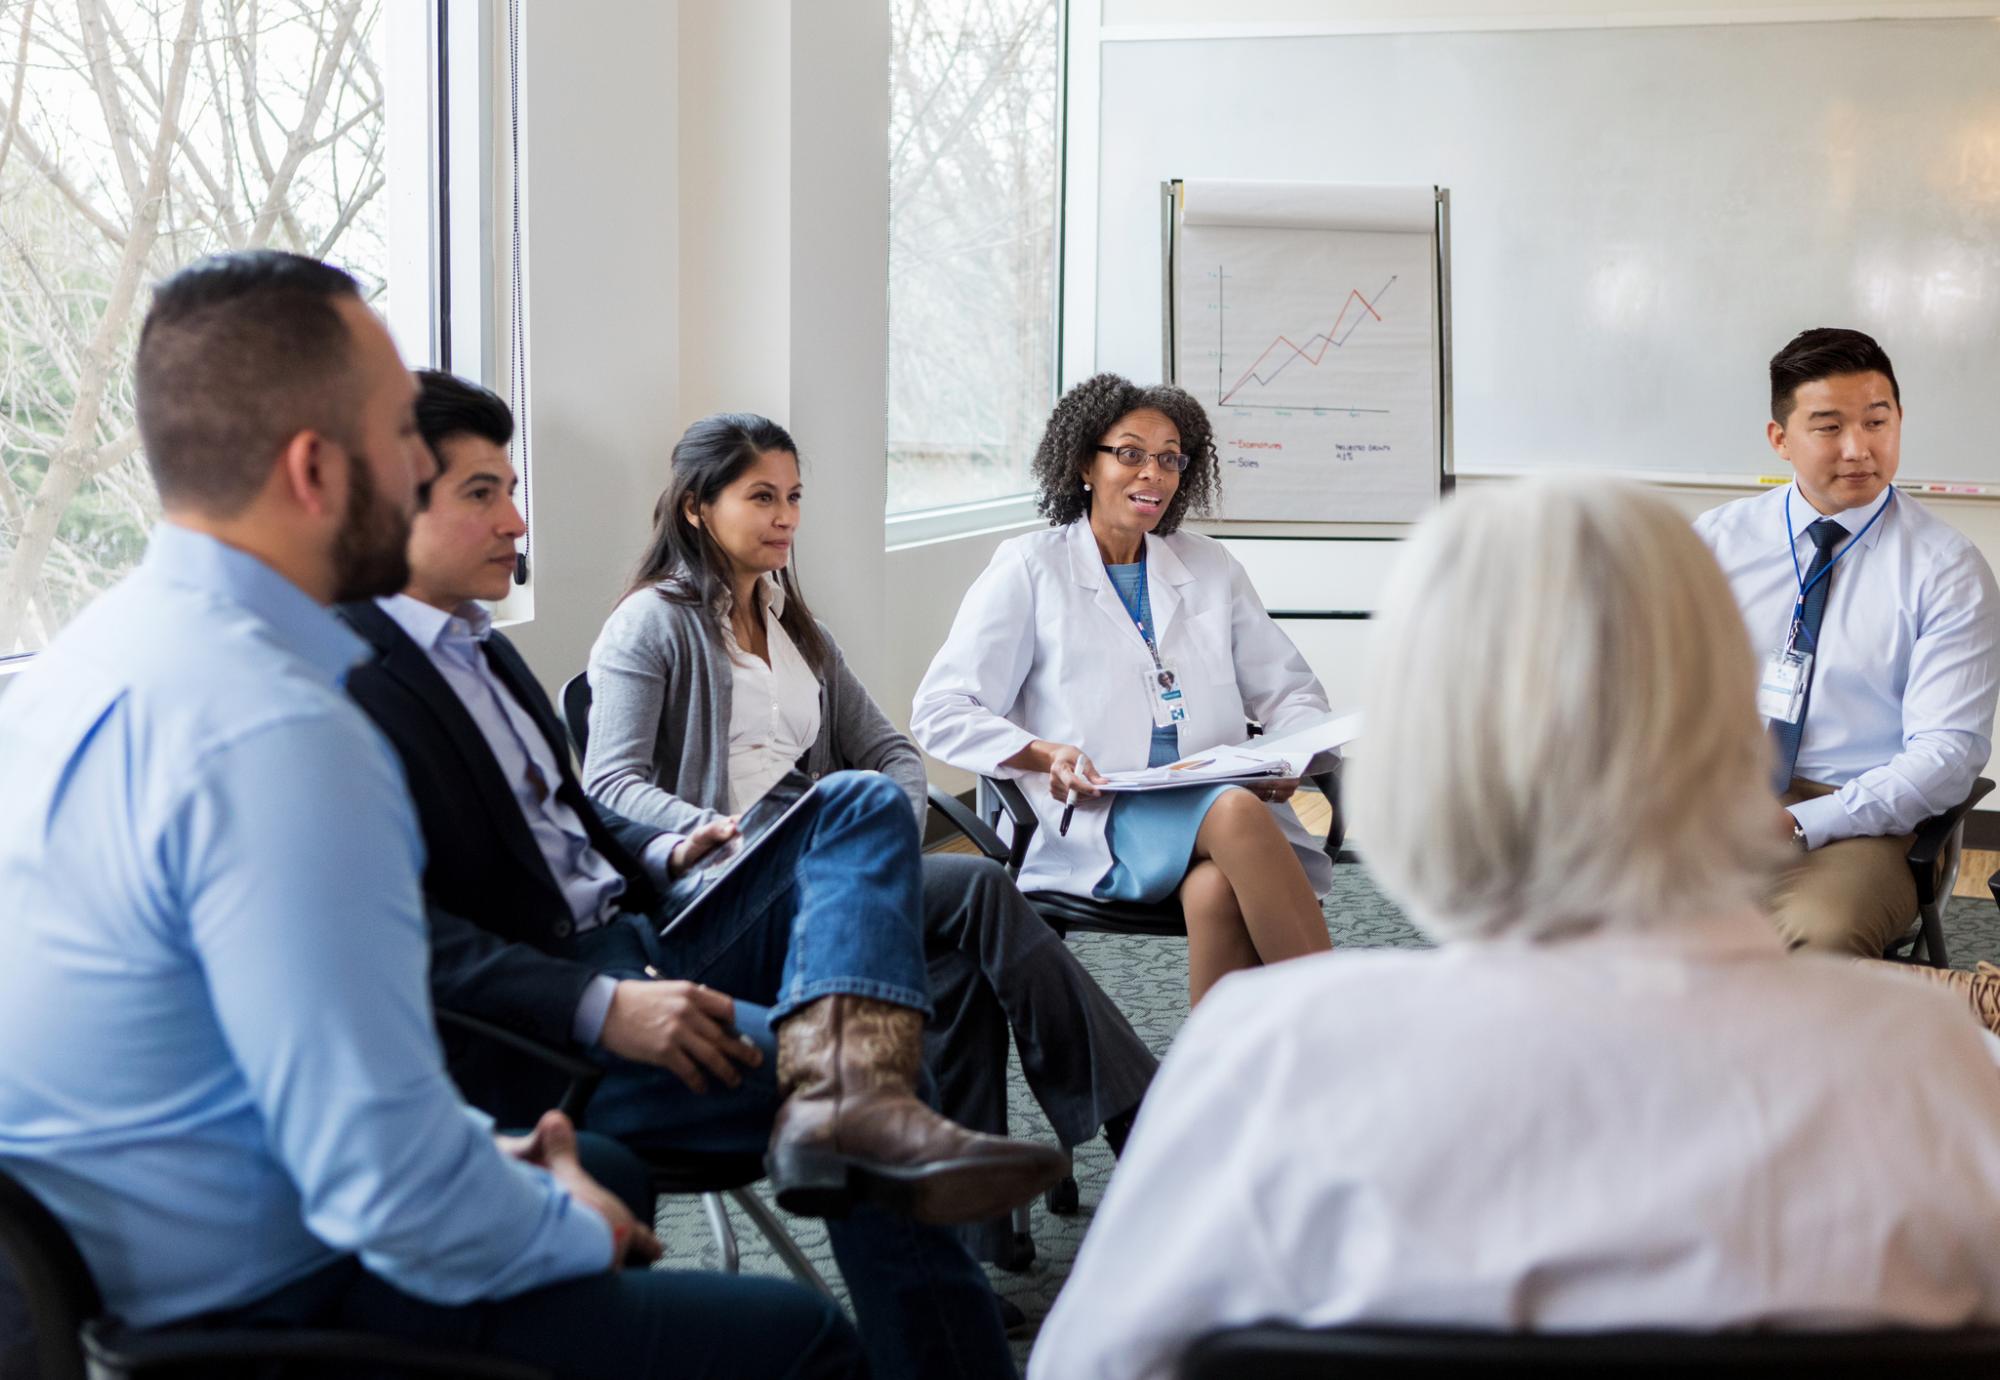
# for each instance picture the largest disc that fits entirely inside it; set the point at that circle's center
(138, 135)
(973, 181)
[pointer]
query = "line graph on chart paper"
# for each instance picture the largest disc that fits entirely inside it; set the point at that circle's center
(1315, 354)
(1252, 388)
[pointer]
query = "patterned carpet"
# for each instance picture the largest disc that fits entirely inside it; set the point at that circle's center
(1148, 977)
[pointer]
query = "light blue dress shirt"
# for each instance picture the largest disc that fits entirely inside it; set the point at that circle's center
(217, 1059)
(1907, 666)
(590, 884)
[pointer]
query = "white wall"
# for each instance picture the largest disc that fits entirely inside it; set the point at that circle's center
(736, 104)
(839, 66)
(602, 242)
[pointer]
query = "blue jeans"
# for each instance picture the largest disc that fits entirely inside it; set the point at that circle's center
(620, 1325)
(834, 907)
(623, 1325)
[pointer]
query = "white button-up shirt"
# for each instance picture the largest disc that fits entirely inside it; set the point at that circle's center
(1688, 1130)
(773, 707)
(1905, 674)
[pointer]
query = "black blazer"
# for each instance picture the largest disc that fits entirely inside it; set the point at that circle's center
(497, 917)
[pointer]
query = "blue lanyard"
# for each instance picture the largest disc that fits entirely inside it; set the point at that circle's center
(1138, 602)
(1792, 545)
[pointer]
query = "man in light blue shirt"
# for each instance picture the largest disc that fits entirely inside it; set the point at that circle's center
(217, 1060)
(1874, 621)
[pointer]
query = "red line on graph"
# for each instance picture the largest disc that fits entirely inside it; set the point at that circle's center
(1325, 339)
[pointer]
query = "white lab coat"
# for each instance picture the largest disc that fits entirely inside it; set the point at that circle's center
(1043, 648)
(1687, 1129)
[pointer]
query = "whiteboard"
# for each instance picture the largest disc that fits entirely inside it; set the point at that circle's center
(1640, 216)
(1306, 322)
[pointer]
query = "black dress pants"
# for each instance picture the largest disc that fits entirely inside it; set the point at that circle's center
(996, 966)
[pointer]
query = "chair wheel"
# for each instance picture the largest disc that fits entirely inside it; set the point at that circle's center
(1017, 1254)
(1063, 1200)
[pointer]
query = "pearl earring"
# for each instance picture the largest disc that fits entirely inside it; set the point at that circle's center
(1086, 486)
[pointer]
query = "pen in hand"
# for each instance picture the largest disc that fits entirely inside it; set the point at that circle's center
(1062, 830)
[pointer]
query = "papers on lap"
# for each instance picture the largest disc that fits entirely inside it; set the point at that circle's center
(1259, 759)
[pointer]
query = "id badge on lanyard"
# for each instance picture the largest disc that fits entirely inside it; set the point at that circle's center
(1781, 691)
(1162, 684)
(1164, 694)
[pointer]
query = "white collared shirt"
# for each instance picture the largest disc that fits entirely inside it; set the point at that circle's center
(773, 708)
(1906, 670)
(1695, 1130)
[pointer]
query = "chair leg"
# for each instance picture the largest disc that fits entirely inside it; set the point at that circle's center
(781, 1240)
(725, 1234)
(1017, 1252)
(1933, 940)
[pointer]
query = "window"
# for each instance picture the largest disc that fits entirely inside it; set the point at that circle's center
(138, 135)
(973, 184)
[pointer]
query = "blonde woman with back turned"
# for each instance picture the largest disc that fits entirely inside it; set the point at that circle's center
(1609, 1099)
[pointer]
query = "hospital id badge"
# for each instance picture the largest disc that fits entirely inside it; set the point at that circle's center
(1164, 693)
(1781, 693)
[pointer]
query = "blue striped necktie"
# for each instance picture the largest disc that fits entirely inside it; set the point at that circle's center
(1826, 534)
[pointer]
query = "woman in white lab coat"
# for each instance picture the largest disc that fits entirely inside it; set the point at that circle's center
(1116, 641)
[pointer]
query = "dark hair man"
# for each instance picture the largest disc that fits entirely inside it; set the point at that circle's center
(217, 1063)
(562, 906)
(1875, 624)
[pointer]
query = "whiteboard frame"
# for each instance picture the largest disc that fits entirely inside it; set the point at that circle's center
(1170, 233)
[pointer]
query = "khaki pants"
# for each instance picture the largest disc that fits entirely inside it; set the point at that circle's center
(1852, 896)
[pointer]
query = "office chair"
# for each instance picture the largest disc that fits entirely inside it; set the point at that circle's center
(1934, 859)
(576, 710)
(1065, 913)
(707, 1174)
(1275, 1351)
(75, 1339)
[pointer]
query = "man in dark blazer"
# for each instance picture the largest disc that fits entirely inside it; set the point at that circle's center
(545, 911)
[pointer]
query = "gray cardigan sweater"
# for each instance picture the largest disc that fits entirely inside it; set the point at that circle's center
(659, 720)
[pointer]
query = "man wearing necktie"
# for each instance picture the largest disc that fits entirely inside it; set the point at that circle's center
(1875, 625)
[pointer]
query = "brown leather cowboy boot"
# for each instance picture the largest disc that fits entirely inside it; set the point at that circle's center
(851, 1127)
(1980, 988)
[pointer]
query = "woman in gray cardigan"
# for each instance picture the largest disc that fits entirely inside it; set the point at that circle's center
(711, 678)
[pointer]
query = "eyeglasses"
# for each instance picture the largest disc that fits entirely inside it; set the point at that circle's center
(1131, 457)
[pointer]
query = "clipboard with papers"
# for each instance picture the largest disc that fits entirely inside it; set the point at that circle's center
(1258, 759)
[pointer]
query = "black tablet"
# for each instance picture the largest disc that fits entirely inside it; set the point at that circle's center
(757, 824)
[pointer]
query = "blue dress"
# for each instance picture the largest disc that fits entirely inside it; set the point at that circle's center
(1152, 833)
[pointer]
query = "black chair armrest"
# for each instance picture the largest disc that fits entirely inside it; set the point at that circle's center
(1327, 783)
(1933, 832)
(967, 823)
(1020, 816)
(112, 1353)
(1932, 836)
(583, 1075)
